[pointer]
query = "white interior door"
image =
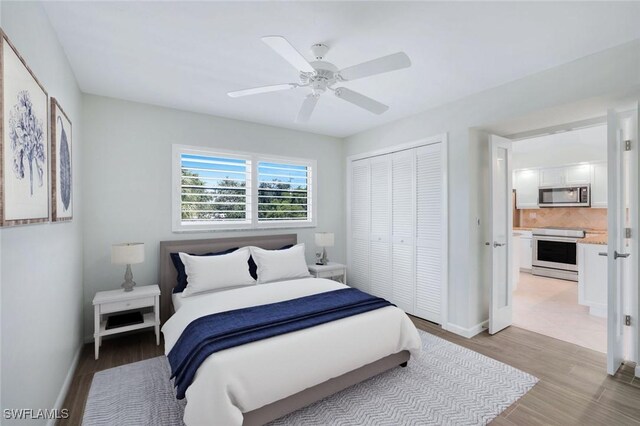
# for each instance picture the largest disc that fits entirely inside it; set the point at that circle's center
(622, 263)
(431, 234)
(501, 305)
(360, 212)
(380, 244)
(403, 229)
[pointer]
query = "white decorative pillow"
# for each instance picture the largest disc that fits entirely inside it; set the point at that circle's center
(280, 265)
(206, 273)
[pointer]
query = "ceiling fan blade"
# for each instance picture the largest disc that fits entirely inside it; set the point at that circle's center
(381, 65)
(361, 100)
(307, 108)
(288, 52)
(263, 89)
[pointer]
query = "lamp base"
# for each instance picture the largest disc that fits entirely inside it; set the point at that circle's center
(323, 260)
(128, 283)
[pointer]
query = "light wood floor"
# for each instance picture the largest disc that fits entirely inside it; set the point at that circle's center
(574, 388)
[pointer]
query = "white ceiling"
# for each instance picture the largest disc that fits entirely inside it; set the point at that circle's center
(188, 55)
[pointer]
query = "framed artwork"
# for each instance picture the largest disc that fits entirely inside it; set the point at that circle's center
(61, 171)
(24, 157)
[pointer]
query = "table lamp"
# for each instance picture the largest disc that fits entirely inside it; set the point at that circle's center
(127, 254)
(324, 239)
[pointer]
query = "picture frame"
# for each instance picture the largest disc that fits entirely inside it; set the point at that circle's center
(61, 164)
(24, 143)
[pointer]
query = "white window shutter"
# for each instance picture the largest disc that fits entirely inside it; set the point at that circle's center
(283, 192)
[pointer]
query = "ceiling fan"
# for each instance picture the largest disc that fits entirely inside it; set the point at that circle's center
(320, 75)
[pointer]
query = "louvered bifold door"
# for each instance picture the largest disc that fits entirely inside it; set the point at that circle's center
(403, 191)
(360, 212)
(429, 232)
(380, 244)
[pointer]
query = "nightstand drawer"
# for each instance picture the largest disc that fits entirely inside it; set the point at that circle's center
(124, 305)
(330, 274)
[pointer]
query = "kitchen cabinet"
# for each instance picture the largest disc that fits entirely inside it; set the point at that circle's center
(552, 176)
(592, 278)
(577, 175)
(569, 175)
(526, 183)
(599, 185)
(525, 256)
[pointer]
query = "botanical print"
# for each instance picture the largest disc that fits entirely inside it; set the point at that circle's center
(61, 172)
(27, 138)
(24, 165)
(65, 168)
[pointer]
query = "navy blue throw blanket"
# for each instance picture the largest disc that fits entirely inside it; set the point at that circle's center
(212, 333)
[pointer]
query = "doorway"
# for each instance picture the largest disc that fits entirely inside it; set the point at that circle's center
(574, 202)
(556, 231)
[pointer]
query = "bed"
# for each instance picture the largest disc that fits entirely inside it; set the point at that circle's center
(261, 381)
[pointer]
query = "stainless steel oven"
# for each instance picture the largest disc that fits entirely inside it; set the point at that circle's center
(555, 252)
(564, 196)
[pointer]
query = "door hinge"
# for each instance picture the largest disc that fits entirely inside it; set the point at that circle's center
(627, 232)
(627, 145)
(627, 320)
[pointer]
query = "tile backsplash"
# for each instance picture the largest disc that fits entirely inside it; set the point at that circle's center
(570, 217)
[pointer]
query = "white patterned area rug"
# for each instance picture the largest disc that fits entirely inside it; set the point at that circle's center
(446, 384)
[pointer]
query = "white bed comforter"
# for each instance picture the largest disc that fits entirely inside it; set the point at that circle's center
(247, 377)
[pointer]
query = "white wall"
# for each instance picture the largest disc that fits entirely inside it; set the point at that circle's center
(127, 164)
(42, 264)
(610, 73)
(589, 144)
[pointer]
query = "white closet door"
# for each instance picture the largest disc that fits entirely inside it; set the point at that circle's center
(402, 229)
(360, 223)
(429, 232)
(380, 244)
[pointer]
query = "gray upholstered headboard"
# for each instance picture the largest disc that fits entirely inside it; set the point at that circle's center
(168, 272)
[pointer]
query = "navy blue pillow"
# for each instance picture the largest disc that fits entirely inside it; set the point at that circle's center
(182, 274)
(253, 268)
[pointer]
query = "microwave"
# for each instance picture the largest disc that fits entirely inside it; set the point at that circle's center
(564, 196)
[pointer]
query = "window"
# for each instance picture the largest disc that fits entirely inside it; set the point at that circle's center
(232, 190)
(282, 192)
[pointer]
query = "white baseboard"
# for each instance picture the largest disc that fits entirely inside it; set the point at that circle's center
(65, 385)
(467, 332)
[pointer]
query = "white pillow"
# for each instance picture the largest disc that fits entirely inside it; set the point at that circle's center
(206, 273)
(280, 265)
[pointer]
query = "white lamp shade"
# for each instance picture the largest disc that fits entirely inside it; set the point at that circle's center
(127, 253)
(324, 239)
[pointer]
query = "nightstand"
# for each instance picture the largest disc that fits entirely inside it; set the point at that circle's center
(112, 301)
(333, 270)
